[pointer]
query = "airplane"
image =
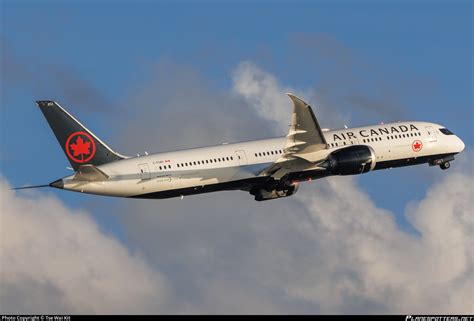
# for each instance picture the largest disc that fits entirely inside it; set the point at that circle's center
(267, 169)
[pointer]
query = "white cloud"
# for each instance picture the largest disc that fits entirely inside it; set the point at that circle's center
(379, 263)
(267, 96)
(329, 249)
(56, 260)
(263, 91)
(370, 258)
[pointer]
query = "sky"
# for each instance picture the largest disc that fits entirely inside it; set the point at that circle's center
(159, 75)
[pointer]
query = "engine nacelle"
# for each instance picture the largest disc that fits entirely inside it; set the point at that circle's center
(351, 160)
(283, 189)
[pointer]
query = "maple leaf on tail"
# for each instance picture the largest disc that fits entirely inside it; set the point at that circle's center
(81, 147)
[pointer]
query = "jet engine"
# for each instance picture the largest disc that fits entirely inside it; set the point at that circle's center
(351, 160)
(277, 190)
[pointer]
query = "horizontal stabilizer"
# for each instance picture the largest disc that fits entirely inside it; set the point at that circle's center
(90, 173)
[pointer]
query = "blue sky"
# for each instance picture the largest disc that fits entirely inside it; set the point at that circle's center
(421, 51)
(414, 59)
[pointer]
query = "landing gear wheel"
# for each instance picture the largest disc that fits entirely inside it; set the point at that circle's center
(444, 165)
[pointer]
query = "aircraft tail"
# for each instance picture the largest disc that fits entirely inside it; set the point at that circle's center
(79, 144)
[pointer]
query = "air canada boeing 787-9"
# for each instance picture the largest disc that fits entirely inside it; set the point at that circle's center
(267, 169)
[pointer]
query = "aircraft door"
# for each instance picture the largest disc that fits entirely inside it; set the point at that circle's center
(431, 134)
(144, 171)
(241, 157)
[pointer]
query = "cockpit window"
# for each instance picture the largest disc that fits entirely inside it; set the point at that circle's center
(446, 131)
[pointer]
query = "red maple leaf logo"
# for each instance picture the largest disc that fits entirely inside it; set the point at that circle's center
(81, 147)
(417, 145)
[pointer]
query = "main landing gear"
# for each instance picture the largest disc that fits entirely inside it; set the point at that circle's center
(444, 165)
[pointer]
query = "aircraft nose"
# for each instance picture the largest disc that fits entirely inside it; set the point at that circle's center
(461, 145)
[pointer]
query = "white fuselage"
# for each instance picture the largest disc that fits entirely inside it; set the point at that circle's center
(199, 167)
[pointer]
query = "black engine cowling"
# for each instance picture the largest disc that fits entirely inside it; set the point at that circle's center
(351, 160)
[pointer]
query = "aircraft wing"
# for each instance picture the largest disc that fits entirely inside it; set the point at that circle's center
(305, 134)
(305, 147)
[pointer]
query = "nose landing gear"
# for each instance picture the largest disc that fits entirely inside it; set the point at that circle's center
(444, 165)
